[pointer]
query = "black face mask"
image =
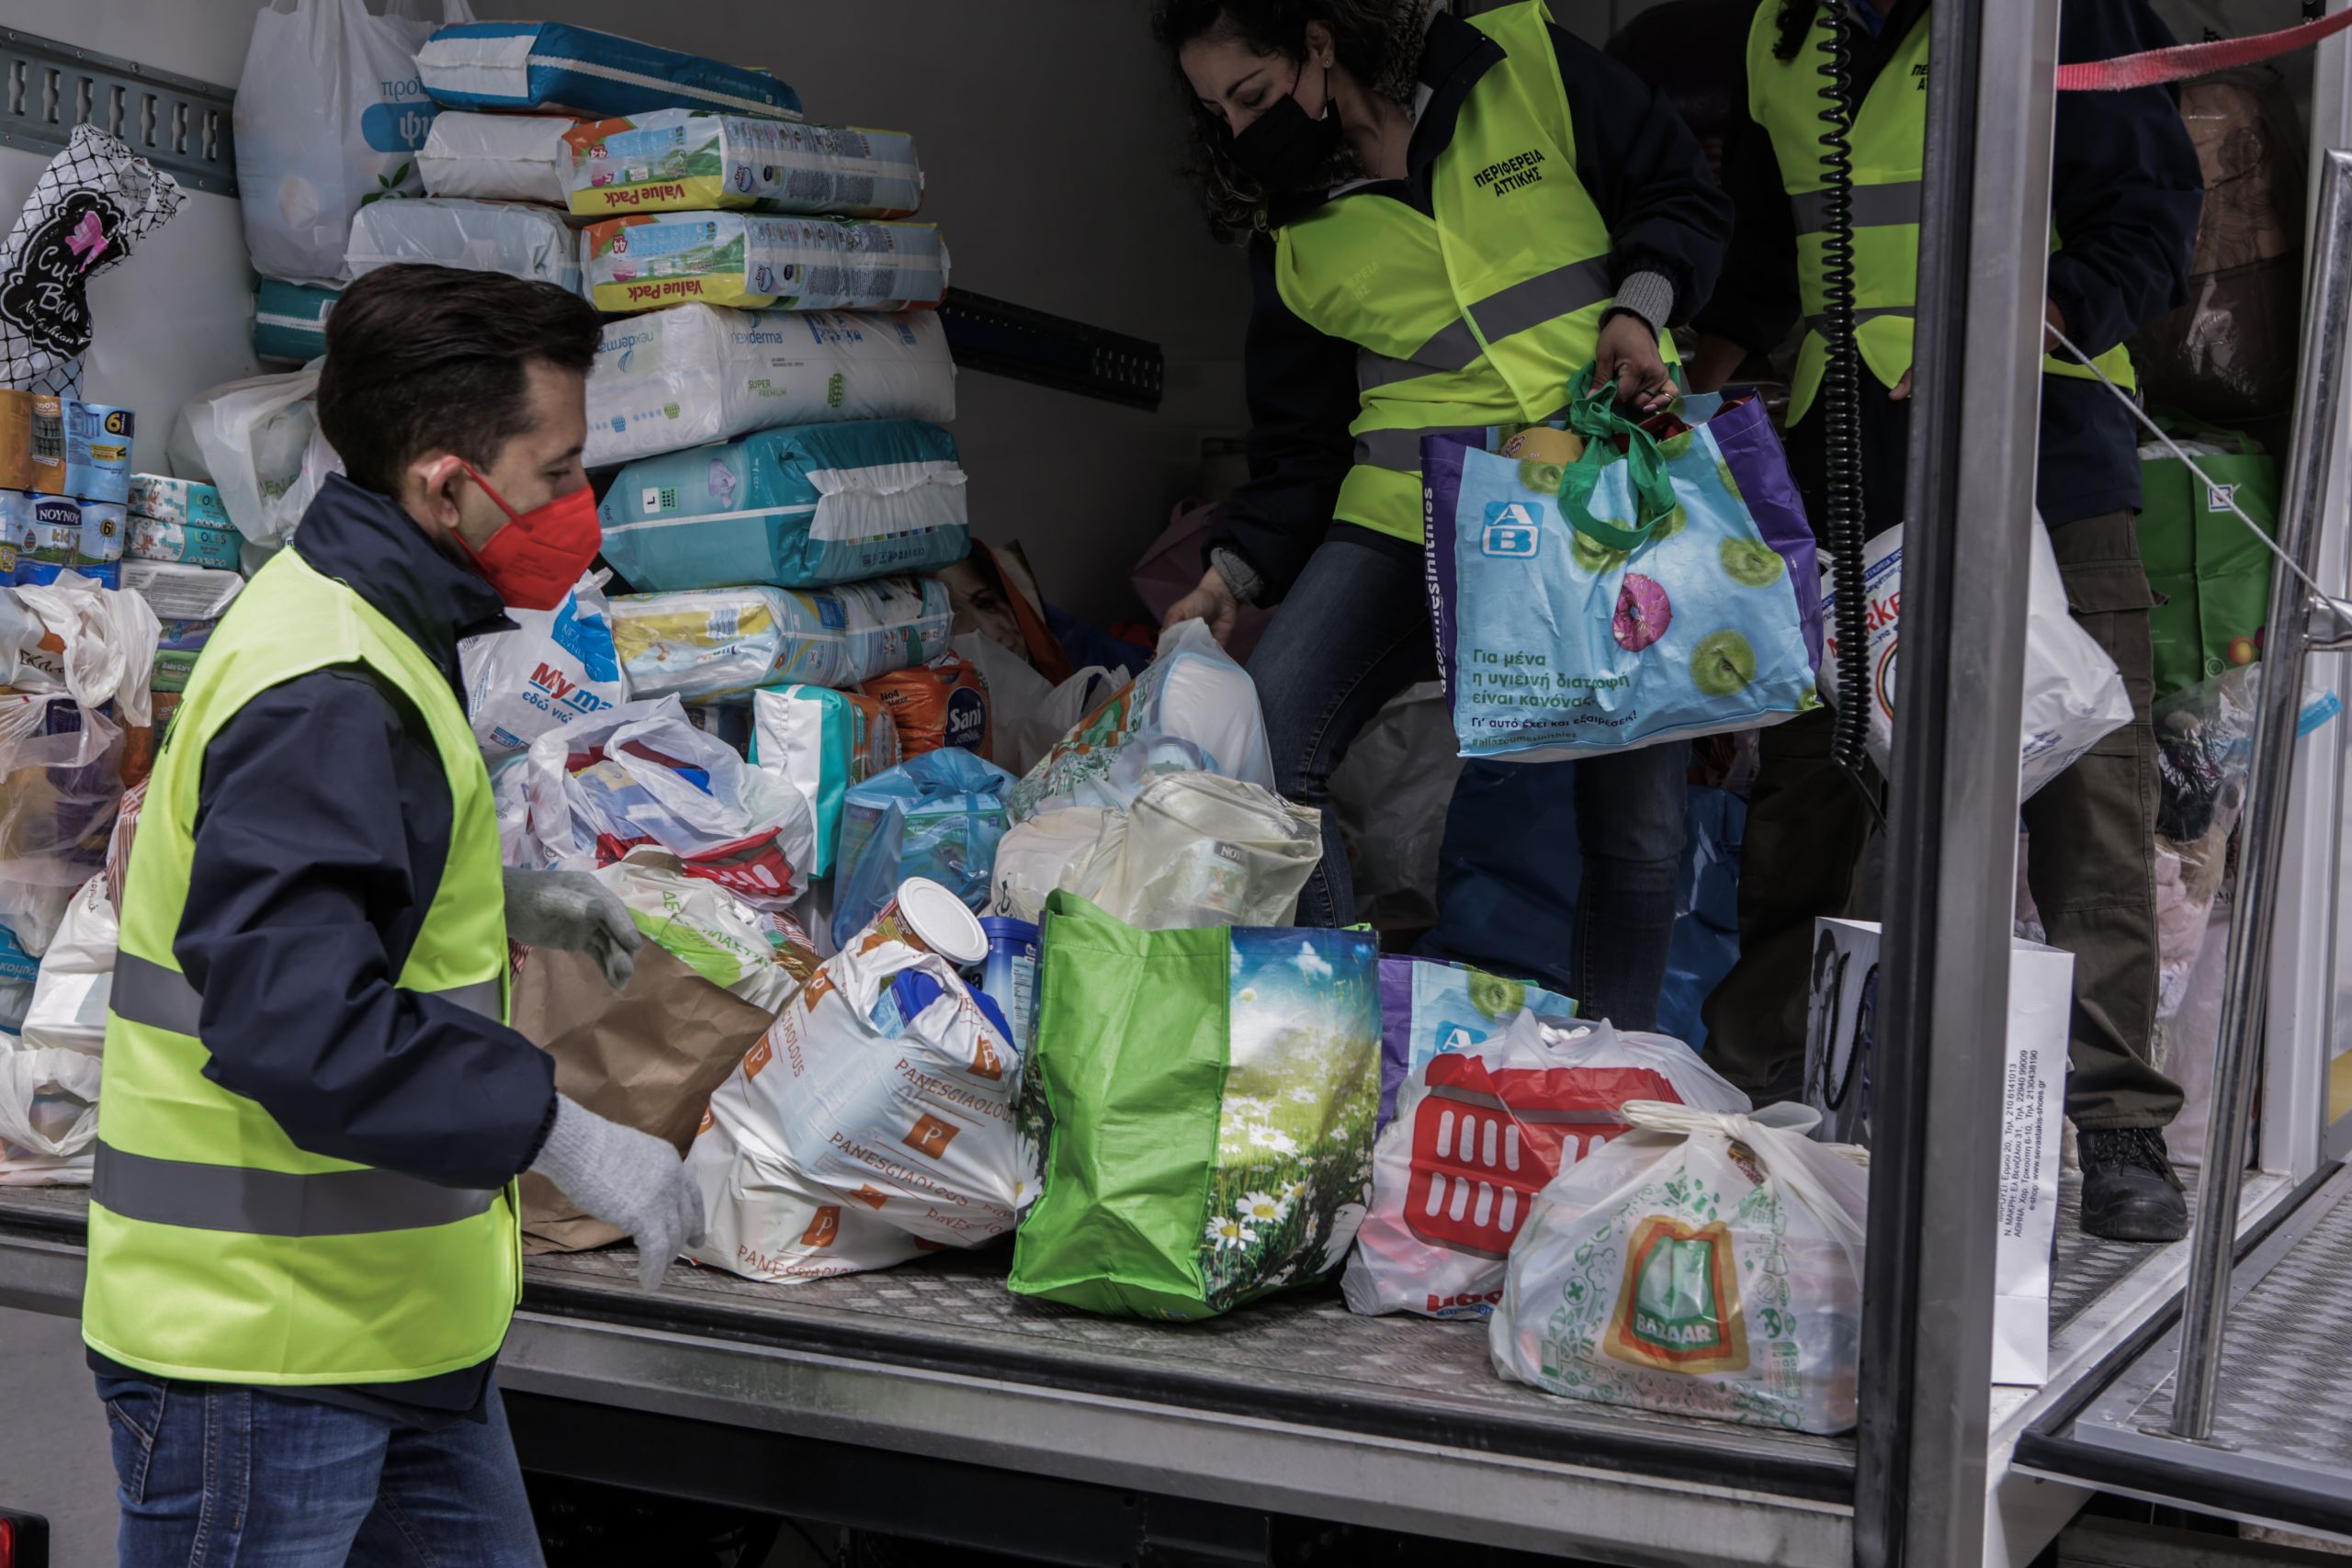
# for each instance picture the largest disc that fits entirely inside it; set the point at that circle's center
(1285, 151)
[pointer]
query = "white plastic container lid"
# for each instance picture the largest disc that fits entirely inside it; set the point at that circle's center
(940, 919)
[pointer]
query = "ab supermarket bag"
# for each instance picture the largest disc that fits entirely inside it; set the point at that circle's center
(2073, 694)
(1430, 1007)
(1480, 1133)
(330, 118)
(1653, 585)
(1211, 1097)
(1704, 1263)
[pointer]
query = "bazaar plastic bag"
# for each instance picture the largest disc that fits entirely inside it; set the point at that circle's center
(2073, 694)
(1430, 1007)
(49, 1116)
(93, 203)
(1210, 1095)
(1480, 1133)
(1609, 601)
(641, 773)
(759, 956)
(1193, 693)
(60, 782)
(557, 667)
(258, 442)
(940, 816)
(329, 117)
(69, 1004)
(1206, 851)
(1704, 1263)
(1076, 849)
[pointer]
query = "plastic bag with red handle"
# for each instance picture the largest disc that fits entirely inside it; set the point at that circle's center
(1480, 1133)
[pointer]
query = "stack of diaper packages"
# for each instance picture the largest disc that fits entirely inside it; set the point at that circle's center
(182, 556)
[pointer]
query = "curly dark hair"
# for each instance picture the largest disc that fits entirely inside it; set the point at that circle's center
(1379, 41)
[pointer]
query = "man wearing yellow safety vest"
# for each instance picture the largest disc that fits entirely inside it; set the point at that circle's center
(303, 1239)
(2125, 197)
(1448, 219)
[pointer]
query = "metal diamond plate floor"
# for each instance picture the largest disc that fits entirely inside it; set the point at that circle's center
(2085, 1268)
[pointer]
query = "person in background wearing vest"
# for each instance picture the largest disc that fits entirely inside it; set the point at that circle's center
(1447, 220)
(2125, 196)
(303, 1240)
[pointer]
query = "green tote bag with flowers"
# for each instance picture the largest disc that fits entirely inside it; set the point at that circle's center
(1211, 1096)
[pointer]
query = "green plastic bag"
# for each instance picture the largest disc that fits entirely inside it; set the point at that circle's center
(1211, 1096)
(2211, 576)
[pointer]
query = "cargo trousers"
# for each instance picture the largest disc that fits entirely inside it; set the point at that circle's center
(2090, 863)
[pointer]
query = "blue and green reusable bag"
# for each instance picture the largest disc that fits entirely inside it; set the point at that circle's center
(1650, 590)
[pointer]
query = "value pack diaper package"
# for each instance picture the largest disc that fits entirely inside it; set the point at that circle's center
(648, 260)
(678, 160)
(714, 641)
(290, 320)
(548, 66)
(694, 374)
(802, 507)
(510, 237)
(822, 743)
(496, 157)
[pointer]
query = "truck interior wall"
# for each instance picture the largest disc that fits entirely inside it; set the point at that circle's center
(1051, 145)
(177, 317)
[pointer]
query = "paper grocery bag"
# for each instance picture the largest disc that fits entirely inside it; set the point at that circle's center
(650, 1056)
(1841, 1043)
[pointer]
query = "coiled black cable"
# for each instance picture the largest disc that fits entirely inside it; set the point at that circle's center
(1840, 393)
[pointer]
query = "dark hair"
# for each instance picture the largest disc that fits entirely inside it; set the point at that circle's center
(1379, 41)
(1695, 52)
(431, 358)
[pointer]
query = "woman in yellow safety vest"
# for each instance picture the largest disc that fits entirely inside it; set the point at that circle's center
(1447, 220)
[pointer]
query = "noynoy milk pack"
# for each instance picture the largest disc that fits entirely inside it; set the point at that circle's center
(648, 260)
(677, 161)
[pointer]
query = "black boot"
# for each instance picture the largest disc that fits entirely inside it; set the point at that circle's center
(2128, 1191)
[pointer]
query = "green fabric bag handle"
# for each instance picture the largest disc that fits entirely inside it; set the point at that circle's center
(1592, 413)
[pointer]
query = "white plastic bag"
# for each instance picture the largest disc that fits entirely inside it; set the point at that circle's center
(1027, 712)
(108, 646)
(1704, 1263)
(329, 117)
(761, 1218)
(258, 442)
(2073, 694)
(1203, 851)
(707, 929)
(1194, 694)
(1480, 1133)
(61, 782)
(651, 777)
(1077, 848)
(49, 1116)
(69, 1006)
(558, 667)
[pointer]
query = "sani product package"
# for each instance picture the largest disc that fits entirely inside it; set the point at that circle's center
(496, 157)
(577, 71)
(646, 261)
(822, 743)
(178, 593)
(714, 641)
(1478, 1133)
(192, 502)
(804, 507)
(940, 702)
(183, 544)
(1703, 1264)
(510, 237)
(695, 374)
(677, 161)
(290, 320)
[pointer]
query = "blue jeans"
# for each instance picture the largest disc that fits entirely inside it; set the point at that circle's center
(221, 1475)
(1353, 632)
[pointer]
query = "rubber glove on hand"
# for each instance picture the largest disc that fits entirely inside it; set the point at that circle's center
(571, 910)
(625, 1177)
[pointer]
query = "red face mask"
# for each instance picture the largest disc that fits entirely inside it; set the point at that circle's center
(534, 560)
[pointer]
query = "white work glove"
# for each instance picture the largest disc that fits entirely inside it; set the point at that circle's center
(625, 1177)
(574, 911)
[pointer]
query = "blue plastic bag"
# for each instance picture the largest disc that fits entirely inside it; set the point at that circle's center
(1668, 590)
(938, 815)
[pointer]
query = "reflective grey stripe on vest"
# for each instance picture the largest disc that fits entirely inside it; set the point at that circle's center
(1401, 449)
(1818, 324)
(148, 993)
(275, 1202)
(1520, 307)
(1875, 207)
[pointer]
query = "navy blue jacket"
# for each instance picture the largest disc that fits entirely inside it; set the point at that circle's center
(321, 831)
(1643, 170)
(2125, 193)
